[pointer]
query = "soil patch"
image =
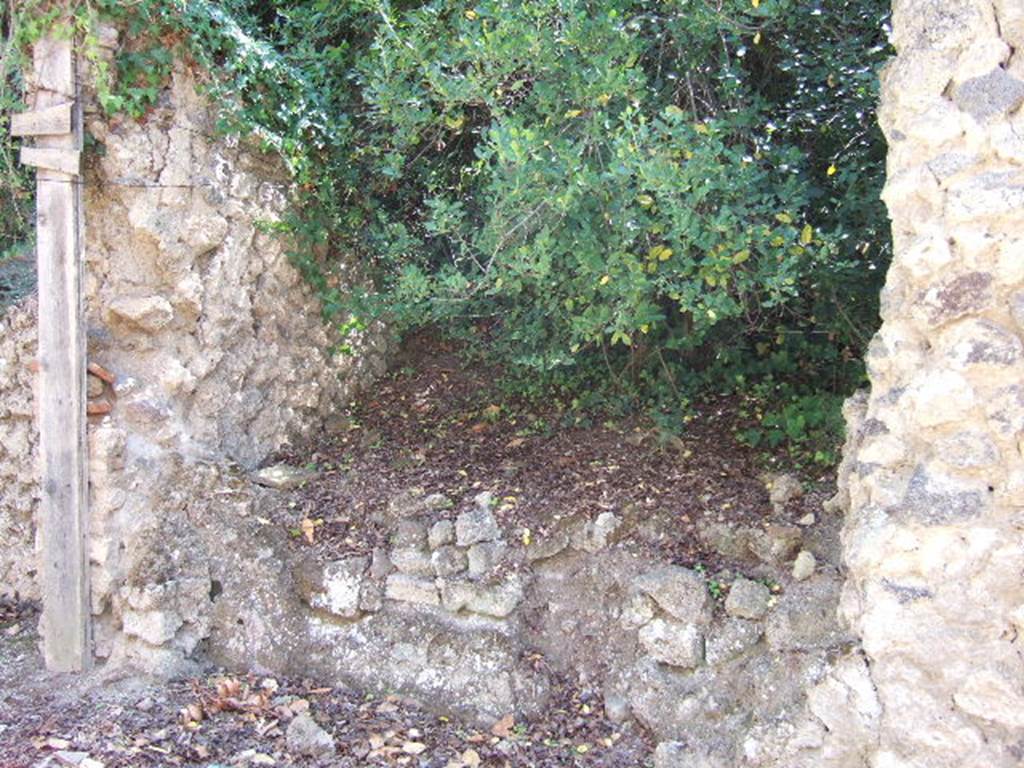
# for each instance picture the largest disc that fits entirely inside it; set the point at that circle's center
(438, 425)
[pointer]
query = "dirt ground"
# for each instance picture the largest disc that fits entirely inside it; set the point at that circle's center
(123, 721)
(438, 425)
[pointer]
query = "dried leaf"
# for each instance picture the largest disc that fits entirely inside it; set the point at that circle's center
(308, 528)
(503, 728)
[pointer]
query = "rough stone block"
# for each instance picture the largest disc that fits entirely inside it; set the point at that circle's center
(673, 642)
(747, 599)
(730, 639)
(413, 561)
(476, 525)
(805, 617)
(935, 499)
(413, 502)
(307, 739)
(455, 595)
(484, 558)
(678, 591)
(804, 565)
(678, 754)
(449, 561)
(149, 313)
(409, 534)
(990, 95)
(776, 544)
(342, 581)
(499, 600)
(637, 611)
(410, 589)
(544, 547)
(155, 627)
(441, 533)
(283, 477)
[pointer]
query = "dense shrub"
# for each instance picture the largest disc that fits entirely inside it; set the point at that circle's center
(631, 197)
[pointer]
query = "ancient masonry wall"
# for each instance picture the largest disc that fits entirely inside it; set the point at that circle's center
(934, 474)
(19, 483)
(213, 355)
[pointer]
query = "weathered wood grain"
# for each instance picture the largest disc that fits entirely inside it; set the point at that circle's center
(43, 122)
(62, 160)
(64, 509)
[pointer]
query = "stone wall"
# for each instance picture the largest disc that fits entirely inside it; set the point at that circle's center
(212, 355)
(19, 485)
(934, 474)
(461, 615)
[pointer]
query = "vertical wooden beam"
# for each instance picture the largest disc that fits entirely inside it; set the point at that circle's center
(64, 512)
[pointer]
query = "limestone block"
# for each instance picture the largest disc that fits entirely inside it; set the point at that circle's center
(782, 489)
(305, 738)
(148, 313)
(484, 558)
(416, 501)
(967, 449)
(678, 591)
(637, 611)
(455, 595)
(747, 599)
(156, 627)
(417, 562)
(678, 754)
(442, 532)
(283, 477)
(342, 582)
(476, 525)
(933, 498)
(939, 397)
(803, 566)
(410, 533)
(991, 695)
(971, 343)
(805, 617)
(449, 561)
(595, 535)
(730, 639)
(672, 642)
(991, 95)
(498, 600)
(776, 544)
(411, 589)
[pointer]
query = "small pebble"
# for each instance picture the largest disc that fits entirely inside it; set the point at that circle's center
(804, 565)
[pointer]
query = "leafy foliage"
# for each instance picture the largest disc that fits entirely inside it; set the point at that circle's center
(627, 197)
(15, 197)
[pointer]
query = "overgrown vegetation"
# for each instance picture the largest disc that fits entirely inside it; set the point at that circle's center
(15, 197)
(625, 202)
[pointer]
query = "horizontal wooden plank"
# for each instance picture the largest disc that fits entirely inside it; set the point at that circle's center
(51, 121)
(63, 160)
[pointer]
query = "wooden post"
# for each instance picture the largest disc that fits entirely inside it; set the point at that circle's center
(64, 509)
